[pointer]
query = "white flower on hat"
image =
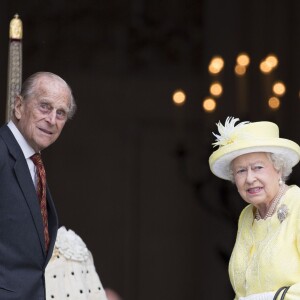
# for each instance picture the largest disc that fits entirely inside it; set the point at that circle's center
(227, 132)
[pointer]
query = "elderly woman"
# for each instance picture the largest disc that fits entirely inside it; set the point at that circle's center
(265, 261)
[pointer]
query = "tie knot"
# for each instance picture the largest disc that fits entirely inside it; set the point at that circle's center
(37, 159)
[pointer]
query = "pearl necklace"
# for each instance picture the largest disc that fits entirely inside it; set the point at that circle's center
(273, 206)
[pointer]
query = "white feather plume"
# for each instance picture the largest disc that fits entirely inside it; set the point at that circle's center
(226, 132)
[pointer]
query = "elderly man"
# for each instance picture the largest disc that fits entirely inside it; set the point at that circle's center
(28, 220)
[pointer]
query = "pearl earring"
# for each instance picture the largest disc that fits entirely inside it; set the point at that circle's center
(280, 181)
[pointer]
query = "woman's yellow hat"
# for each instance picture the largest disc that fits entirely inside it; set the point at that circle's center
(247, 137)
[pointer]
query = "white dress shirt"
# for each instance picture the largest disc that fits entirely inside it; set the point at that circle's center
(26, 148)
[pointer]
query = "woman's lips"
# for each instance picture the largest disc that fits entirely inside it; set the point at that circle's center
(254, 190)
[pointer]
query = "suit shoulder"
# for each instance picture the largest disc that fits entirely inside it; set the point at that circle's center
(4, 149)
(3, 146)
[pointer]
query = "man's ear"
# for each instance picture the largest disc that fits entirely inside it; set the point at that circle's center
(18, 107)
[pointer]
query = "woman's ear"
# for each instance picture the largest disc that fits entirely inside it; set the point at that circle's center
(18, 107)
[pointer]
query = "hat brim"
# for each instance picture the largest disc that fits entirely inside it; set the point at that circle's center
(221, 159)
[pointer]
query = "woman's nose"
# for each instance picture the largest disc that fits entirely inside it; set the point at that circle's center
(250, 176)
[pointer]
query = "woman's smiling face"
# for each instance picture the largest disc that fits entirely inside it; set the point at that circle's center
(256, 178)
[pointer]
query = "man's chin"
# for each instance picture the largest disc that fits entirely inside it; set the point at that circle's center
(45, 144)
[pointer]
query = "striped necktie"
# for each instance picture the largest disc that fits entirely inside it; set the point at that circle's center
(41, 192)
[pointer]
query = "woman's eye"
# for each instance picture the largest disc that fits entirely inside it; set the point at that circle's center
(258, 167)
(240, 171)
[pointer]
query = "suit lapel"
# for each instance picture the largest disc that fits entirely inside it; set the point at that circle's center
(52, 223)
(25, 182)
(29, 192)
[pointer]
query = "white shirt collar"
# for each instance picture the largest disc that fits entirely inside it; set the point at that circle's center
(26, 148)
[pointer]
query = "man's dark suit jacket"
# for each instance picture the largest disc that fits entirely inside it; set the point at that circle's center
(22, 248)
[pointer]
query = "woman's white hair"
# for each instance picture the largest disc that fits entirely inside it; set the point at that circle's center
(279, 162)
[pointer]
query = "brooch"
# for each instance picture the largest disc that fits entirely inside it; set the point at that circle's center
(282, 212)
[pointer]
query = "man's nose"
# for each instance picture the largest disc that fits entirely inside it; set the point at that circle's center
(51, 116)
